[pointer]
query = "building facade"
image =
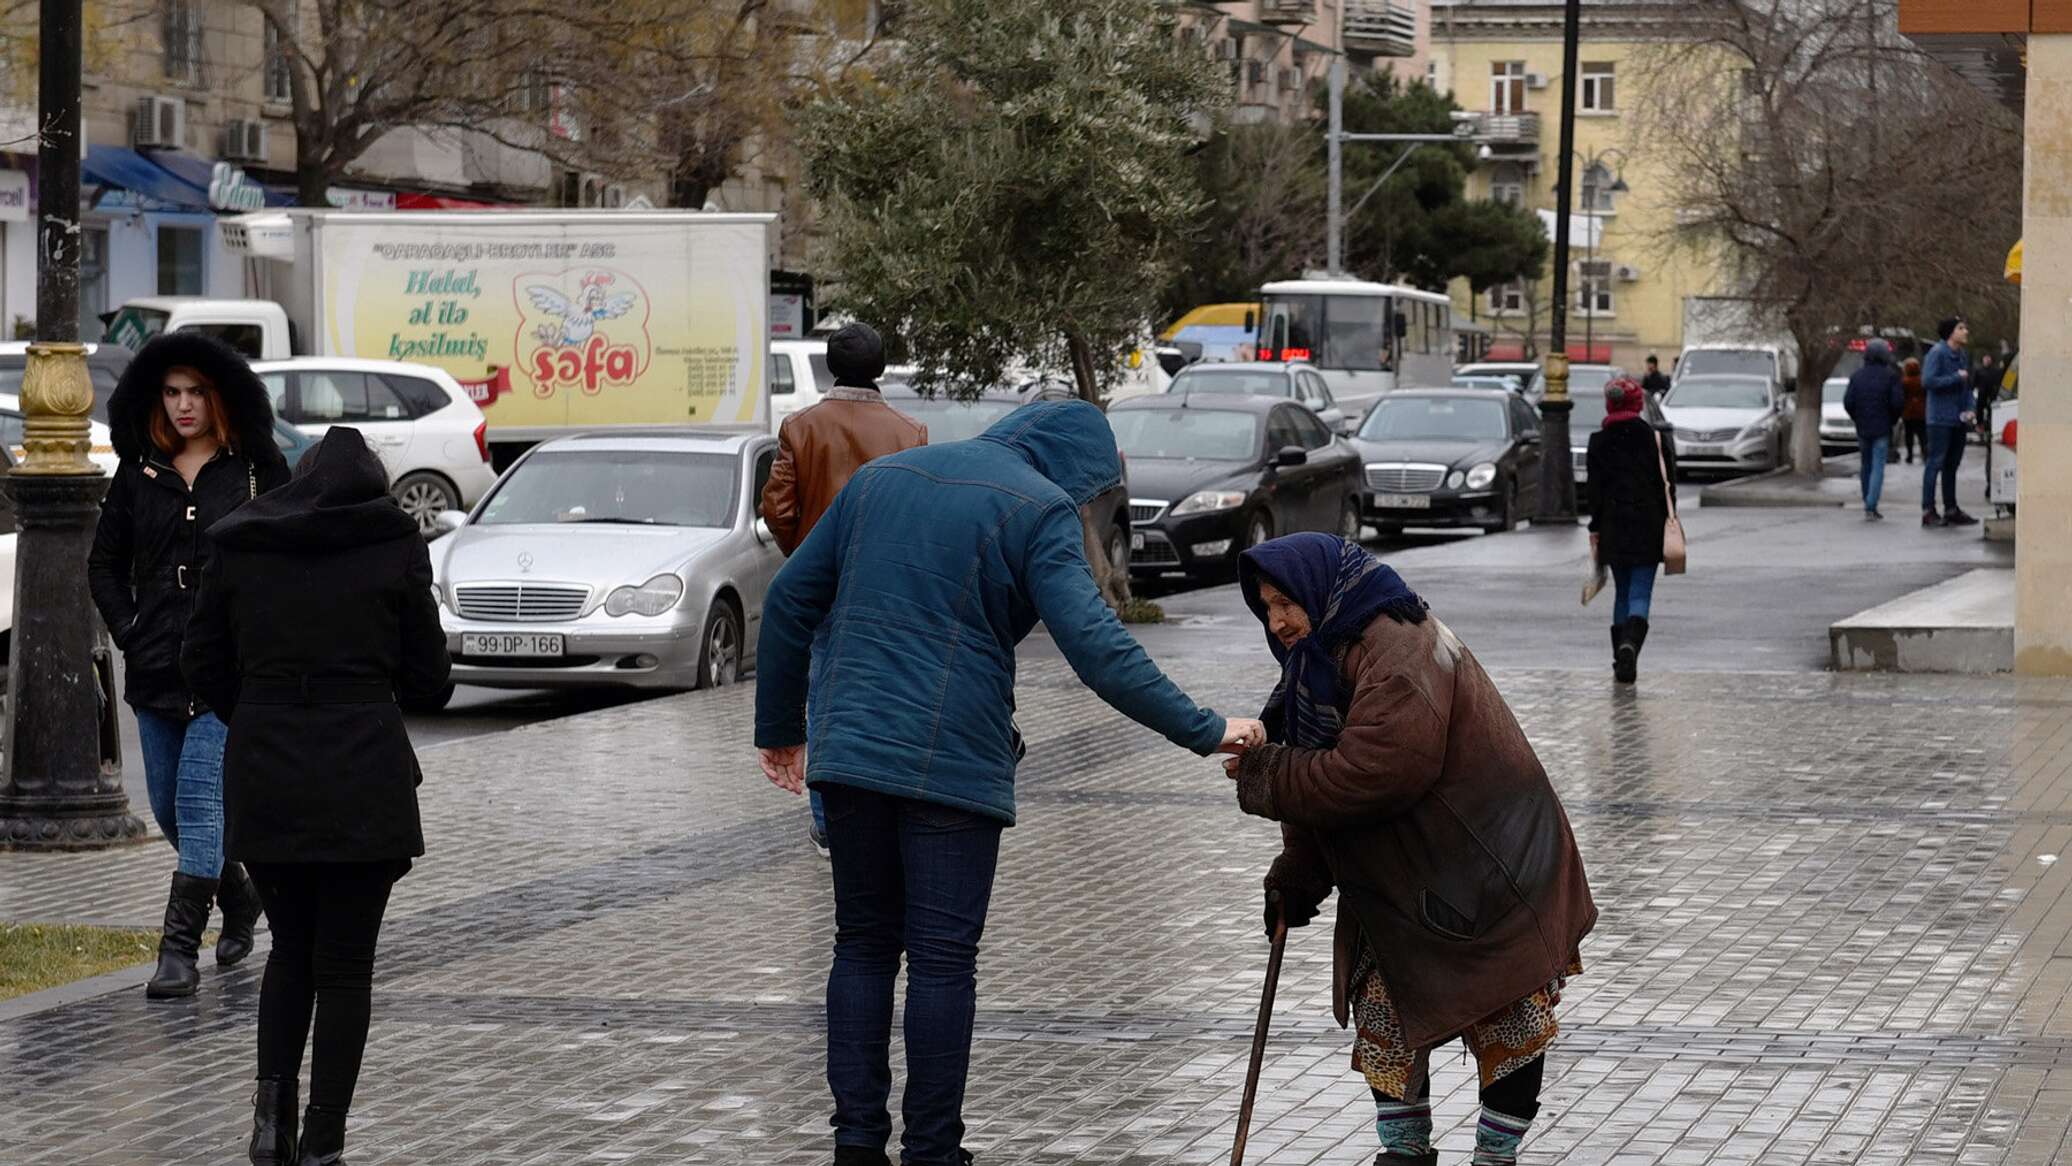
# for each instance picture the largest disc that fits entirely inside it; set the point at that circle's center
(1627, 281)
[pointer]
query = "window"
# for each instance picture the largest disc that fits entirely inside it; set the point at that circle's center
(420, 397)
(1507, 297)
(280, 68)
(1507, 184)
(276, 391)
(1507, 87)
(765, 462)
(1598, 196)
(1523, 419)
(247, 339)
(180, 33)
(179, 261)
(1597, 95)
(93, 282)
(346, 396)
(1311, 431)
(1282, 431)
(1594, 290)
(782, 382)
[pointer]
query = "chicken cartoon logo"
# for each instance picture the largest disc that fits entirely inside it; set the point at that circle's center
(575, 350)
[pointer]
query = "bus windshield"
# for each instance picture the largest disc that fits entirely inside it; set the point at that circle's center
(1340, 331)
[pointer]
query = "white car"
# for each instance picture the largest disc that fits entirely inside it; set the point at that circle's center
(1837, 430)
(102, 453)
(429, 433)
(1727, 422)
(1293, 381)
(798, 377)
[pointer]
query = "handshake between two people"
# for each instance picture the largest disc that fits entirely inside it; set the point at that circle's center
(785, 765)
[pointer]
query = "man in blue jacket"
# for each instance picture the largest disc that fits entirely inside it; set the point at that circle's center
(1873, 402)
(1946, 377)
(906, 603)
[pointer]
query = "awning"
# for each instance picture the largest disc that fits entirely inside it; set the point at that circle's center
(127, 169)
(2014, 263)
(200, 172)
(408, 201)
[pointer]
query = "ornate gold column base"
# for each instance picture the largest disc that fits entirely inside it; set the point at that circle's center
(57, 396)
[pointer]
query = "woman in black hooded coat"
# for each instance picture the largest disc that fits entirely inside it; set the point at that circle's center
(193, 427)
(320, 780)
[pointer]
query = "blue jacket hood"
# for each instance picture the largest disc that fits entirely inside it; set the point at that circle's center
(1068, 442)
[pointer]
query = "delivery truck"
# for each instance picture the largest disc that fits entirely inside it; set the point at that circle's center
(556, 321)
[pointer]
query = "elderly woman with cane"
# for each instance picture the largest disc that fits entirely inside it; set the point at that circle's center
(1400, 777)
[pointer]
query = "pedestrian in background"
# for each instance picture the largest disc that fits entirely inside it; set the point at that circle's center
(819, 447)
(1631, 471)
(1987, 379)
(1946, 377)
(1874, 401)
(193, 428)
(1655, 382)
(1914, 412)
(907, 601)
(1400, 777)
(316, 616)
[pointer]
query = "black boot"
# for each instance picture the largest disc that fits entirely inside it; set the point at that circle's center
(1624, 654)
(323, 1137)
(859, 1156)
(1428, 1158)
(240, 902)
(1637, 635)
(186, 917)
(273, 1123)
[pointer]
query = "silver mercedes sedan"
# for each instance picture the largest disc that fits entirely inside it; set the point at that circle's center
(633, 559)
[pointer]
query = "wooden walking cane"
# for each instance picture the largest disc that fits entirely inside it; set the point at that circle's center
(1273, 978)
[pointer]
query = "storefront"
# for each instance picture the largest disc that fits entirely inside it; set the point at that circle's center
(17, 243)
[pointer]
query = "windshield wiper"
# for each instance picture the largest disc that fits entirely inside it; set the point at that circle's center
(613, 521)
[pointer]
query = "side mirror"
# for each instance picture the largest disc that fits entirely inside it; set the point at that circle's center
(1402, 325)
(1172, 360)
(762, 532)
(1291, 455)
(448, 521)
(1251, 320)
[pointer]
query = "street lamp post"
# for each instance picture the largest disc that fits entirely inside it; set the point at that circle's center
(57, 794)
(1335, 138)
(1557, 467)
(1594, 164)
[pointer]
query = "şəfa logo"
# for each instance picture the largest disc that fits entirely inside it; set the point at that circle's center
(588, 340)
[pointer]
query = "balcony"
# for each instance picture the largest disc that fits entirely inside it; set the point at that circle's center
(1288, 11)
(1380, 27)
(1509, 129)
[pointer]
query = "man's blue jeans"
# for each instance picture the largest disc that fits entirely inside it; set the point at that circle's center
(913, 877)
(1945, 454)
(183, 774)
(1633, 591)
(1872, 475)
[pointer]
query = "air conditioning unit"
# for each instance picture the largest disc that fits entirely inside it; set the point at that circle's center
(1628, 274)
(161, 121)
(1226, 50)
(1535, 80)
(244, 140)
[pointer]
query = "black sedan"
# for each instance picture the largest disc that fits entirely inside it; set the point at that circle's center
(1212, 475)
(1450, 457)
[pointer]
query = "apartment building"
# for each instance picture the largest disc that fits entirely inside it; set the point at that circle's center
(1503, 59)
(1278, 50)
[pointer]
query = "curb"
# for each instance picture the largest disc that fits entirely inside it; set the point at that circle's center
(1762, 490)
(120, 980)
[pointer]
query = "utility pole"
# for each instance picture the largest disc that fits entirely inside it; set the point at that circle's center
(57, 793)
(1335, 138)
(1557, 467)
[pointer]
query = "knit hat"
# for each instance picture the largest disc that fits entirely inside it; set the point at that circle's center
(856, 356)
(1943, 330)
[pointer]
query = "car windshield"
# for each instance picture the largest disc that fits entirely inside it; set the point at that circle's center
(1720, 393)
(1852, 359)
(1834, 390)
(1508, 384)
(1588, 381)
(1435, 419)
(1207, 434)
(627, 486)
(949, 420)
(1734, 361)
(1244, 381)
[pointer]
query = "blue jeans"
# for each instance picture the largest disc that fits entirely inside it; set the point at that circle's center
(1633, 588)
(1872, 474)
(819, 811)
(183, 773)
(915, 877)
(1945, 454)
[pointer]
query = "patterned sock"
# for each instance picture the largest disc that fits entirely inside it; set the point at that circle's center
(1497, 1138)
(1404, 1127)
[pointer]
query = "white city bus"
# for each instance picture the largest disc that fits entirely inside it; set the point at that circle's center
(1366, 338)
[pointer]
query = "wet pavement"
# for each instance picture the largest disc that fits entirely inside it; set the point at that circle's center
(1834, 930)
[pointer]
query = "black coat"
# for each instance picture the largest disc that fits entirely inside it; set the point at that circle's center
(148, 550)
(1874, 399)
(316, 615)
(1627, 502)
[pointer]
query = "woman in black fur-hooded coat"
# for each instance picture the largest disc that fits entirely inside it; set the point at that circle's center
(193, 426)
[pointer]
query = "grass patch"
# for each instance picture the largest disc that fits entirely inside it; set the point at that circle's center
(1142, 611)
(34, 957)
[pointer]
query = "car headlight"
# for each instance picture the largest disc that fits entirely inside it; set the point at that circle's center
(1208, 502)
(1481, 475)
(439, 597)
(1454, 480)
(653, 597)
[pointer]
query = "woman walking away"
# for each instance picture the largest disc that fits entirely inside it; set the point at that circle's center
(1400, 777)
(1914, 410)
(320, 779)
(193, 428)
(1631, 468)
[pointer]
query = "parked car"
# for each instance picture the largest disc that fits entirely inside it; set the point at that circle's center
(1214, 473)
(1450, 458)
(12, 420)
(104, 366)
(798, 377)
(1525, 376)
(1292, 381)
(430, 434)
(633, 559)
(1729, 422)
(1588, 417)
(1837, 431)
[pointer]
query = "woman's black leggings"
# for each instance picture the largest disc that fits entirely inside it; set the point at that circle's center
(1515, 1094)
(325, 918)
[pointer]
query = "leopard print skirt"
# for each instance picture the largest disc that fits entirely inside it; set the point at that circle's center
(1501, 1043)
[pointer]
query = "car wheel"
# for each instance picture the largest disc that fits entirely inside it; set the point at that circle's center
(424, 497)
(719, 656)
(1258, 529)
(1509, 521)
(1119, 549)
(436, 702)
(1349, 521)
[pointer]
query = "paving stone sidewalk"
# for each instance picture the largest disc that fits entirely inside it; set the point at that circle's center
(1834, 930)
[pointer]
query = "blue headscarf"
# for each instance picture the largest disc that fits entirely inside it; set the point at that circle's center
(1343, 588)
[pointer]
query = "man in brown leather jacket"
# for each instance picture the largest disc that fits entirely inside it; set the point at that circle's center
(818, 448)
